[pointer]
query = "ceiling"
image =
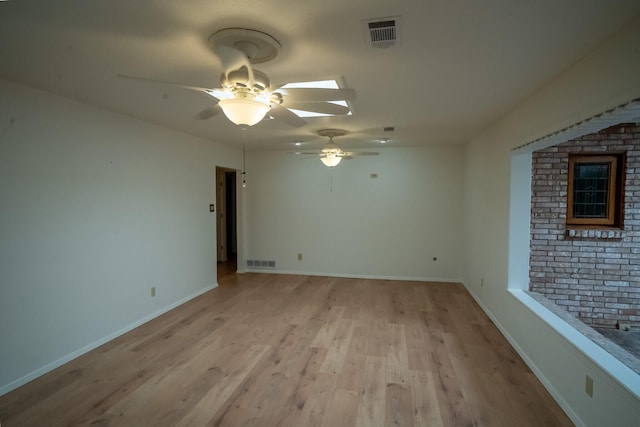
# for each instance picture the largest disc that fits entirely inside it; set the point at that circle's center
(457, 66)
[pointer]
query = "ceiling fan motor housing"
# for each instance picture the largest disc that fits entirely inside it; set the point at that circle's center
(331, 148)
(239, 79)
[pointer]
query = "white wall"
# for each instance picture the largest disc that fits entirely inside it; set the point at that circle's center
(346, 223)
(606, 78)
(95, 209)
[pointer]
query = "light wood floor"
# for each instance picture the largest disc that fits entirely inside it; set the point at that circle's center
(281, 350)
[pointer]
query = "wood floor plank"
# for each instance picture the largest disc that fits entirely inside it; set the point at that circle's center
(376, 335)
(318, 404)
(418, 347)
(295, 393)
(271, 350)
(426, 410)
(453, 407)
(398, 405)
(472, 386)
(206, 409)
(182, 386)
(280, 381)
(351, 377)
(371, 410)
(299, 312)
(327, 333)
(344, 409)
(337, 350)
(397, 366)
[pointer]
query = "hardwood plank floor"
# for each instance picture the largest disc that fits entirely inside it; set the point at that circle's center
(286, 350)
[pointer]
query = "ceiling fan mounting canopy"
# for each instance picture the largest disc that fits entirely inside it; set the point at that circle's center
(258, 46)
(332, 133)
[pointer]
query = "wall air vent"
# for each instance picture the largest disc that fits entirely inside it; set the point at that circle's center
(260, 264)
(382, 32)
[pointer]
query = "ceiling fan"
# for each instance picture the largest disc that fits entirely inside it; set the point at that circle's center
(246, 95)
(331, 154)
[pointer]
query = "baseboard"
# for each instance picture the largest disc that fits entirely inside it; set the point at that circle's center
(534, 368)
(354, 276)
(77, 353)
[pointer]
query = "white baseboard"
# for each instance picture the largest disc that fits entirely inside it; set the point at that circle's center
(353, 276)
(534, 368)
(77, 353)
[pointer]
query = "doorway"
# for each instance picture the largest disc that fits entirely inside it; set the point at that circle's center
(226, 222)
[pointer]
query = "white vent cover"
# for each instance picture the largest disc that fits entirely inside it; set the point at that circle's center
(382, 32)
(258, 263)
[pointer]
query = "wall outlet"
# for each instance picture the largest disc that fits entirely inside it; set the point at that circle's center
(299, 257)
(588, 386)
(153, 291)
(482, 282)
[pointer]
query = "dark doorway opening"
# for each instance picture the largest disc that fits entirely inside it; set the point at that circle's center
(226, 222)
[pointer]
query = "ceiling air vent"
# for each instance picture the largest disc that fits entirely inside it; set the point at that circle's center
(382, 32)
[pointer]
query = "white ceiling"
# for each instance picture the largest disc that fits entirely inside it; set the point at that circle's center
(458, 66)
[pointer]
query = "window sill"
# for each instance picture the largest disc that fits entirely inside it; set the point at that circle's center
(595, 233)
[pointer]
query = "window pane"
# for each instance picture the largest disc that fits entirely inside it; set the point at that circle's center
(590, 190)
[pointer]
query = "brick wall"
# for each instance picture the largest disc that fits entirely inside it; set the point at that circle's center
(592, 273)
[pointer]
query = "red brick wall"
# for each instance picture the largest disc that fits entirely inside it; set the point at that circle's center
(593, 273)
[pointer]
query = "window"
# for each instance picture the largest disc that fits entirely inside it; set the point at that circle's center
(594, 194)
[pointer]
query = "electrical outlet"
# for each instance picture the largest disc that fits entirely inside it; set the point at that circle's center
(299, 257)
(482, 282)
(588, 386)
(153, 291)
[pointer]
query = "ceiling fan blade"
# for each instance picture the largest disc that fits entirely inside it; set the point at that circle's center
(281, 113)
(306, 154)
(318, 107)
(208, 112)
(163, 82)
(303, 94)
(361, 153)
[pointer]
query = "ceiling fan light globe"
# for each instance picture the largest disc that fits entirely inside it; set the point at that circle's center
(331, 160)
(244, 111)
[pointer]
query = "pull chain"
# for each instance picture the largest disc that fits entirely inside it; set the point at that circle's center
(244, 158)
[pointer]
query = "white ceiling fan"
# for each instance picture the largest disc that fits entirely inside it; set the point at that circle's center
(331, 154)
(246, 95)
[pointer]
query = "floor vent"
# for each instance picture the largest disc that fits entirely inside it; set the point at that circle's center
(382, 32)
(260, 264)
